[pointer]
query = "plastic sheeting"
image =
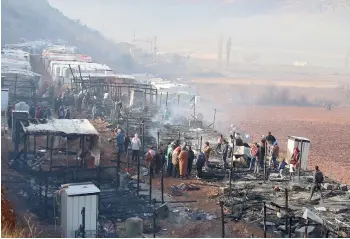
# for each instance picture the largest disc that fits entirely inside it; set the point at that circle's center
(63, 127)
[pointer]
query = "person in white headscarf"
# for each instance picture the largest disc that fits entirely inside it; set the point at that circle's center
(135, 147)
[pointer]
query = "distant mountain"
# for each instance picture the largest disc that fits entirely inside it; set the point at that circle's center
(36, 19)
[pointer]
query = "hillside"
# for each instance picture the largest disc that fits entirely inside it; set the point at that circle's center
(36, 19)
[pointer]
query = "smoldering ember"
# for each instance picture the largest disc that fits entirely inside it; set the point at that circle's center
(87, 152)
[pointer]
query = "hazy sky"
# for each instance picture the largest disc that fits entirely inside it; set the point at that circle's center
(282, 31)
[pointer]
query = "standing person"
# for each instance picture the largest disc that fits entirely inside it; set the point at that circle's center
(262, 152)
(175, 161)
(317, 181)
(294, 163)
(120, 140)
(274, 153)
(282, 166)
(9, 116)
(225, 152)
(150, 160)
(57, 104)
(135, 147)
(158, 161)
(170, 151)
(183, 162)
(48, 112)
(94, 110)
(67, 113)
(254, 152)
(37, 112)
(61, 112)
(43, 113)
(191, 157)
(270, 137)
(32, 111)
(207, 151)
(126, 142)
(200, 164)
(218, 146)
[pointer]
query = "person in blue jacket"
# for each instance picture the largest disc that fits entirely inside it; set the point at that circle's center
(120, 140)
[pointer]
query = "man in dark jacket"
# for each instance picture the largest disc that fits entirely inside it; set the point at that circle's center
(317, 181)
(200, 163)
(127, 142)
(225, 152)
(270, 137)
(190, 159)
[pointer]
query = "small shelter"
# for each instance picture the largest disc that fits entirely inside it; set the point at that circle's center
(303, 145)
(68, 130)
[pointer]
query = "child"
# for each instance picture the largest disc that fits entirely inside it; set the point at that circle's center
(282, 166)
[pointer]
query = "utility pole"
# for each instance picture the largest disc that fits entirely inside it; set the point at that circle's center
(228, 51)
(155, 50)
(221, 40)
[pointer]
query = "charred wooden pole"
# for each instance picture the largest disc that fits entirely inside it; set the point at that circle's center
(83, 222)
(154, 201)
(286, 197)
(200, 145)
(327, 233)
(118, 167)
(264, 220)
(138, 165)
(179, 135)
(222, 219)
(306, 227)
(162, 171)
(290, 227)
(150, 183)
(264, 162)
(230, 178)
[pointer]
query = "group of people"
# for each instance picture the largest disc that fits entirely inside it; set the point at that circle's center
(179, 160)
(40, 112)
(268, 146)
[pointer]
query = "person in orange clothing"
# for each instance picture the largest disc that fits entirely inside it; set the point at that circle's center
(183, 162)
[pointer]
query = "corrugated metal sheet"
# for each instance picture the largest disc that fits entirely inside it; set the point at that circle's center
(63, 126)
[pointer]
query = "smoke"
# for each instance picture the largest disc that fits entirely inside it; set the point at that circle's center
(282, 97)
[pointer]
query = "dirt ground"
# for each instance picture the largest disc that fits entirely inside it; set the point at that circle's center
(327, 130)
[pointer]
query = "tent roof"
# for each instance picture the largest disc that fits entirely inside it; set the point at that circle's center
(62, 127)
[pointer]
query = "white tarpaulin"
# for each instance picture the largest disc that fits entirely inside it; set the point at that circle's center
(63, 126)
(4, 99)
